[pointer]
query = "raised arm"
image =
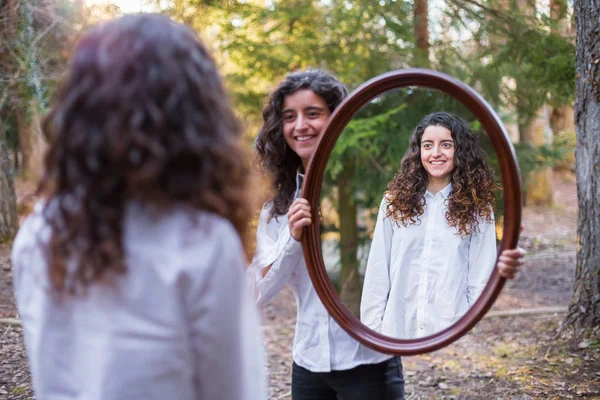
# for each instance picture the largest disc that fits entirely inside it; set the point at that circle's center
(277, 251)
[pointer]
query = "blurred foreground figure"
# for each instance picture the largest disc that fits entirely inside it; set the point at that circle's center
(129, 274)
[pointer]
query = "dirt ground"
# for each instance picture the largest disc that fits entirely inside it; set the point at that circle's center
(516, 357)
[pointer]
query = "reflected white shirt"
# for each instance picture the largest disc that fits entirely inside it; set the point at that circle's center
(422, 278)
(320, 344)
(179, 324)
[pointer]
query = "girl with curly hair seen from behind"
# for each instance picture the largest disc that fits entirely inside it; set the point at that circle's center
(129, 274)
(434, 246)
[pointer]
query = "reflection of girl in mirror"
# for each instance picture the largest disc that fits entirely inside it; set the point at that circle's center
(129, 276)
(434, 245)
(328, 363)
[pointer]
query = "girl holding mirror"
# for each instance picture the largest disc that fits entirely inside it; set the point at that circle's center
(129, 276)
(434, 245)
(328, 363)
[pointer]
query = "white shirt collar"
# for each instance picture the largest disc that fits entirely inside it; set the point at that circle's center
(445, 192)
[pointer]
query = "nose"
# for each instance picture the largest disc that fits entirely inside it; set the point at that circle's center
(437, 151)
(301, 123)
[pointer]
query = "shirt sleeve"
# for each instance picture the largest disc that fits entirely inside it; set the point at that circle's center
(224, 322)
(376, 286)
(482, 259)
(275, 247)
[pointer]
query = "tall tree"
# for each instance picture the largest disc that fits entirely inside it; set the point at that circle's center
(8, 204)
(534, 130)
(562, 116)
(585, 308)
(421, 27)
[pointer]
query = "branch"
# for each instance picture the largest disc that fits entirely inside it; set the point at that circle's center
(44, 33)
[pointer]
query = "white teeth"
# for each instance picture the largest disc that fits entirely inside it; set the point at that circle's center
(437, 162)
(303, 138)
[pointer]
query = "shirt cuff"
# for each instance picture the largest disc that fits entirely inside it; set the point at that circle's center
(292, 247)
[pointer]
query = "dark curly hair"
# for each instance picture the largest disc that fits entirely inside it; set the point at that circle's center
(274, 154)
(142, 116)
(472, 180)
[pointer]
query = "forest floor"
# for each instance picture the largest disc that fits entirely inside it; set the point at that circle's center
(503, 357)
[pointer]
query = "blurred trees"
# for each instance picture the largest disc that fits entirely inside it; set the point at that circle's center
(511, 51)
(35, 40)
(519, 57)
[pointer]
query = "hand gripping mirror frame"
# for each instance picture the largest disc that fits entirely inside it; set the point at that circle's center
(509, 170)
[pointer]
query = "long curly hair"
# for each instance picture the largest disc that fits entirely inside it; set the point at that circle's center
(141, 116)
(275, 156)
(473, 185)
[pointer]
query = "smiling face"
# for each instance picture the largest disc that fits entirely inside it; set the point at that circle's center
(304, 115)
(437, 156)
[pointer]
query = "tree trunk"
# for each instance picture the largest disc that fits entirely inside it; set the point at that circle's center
(584, 311)
(536, 132)
(8, 203)
(420, 24)
(24, 140)
(31, 144)
(538, 190)
(562, 118)
(350, 283)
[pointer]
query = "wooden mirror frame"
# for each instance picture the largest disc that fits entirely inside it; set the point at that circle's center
(311, 191)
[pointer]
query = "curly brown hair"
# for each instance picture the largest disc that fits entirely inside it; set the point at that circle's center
(274, 154)
(473, 185)
(142, 116)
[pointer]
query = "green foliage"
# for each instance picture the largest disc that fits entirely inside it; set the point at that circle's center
(33, 45)
(514, 57)
(532, 158)
(258, 43)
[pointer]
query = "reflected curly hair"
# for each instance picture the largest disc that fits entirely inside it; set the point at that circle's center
(275, 157)
(472, 180)
(142, 116)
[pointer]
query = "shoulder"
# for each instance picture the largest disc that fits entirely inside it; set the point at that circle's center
(266, 216)
(32, 232)
(27, 249)
(178, 228)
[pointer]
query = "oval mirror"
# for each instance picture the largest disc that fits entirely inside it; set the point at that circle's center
(411, 282)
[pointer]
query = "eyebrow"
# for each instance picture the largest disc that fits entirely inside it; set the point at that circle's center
(443, 141)
(309, 108)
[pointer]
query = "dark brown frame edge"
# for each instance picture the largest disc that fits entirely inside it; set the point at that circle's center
(491, 124)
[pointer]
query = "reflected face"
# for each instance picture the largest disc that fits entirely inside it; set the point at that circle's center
(437, 154)
(304, 115)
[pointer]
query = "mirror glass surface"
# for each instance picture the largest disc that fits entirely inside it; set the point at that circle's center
(410, 262)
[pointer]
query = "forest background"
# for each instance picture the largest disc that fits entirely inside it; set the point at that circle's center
(520, 55)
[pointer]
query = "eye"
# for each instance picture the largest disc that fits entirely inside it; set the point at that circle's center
(313, 114)
(427, 146)
(447, 145)
(288, 117)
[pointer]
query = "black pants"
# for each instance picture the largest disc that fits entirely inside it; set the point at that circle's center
(383, 381)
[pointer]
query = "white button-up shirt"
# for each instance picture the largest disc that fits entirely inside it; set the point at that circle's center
(422, 278)
(179, 324)
(320, 344)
